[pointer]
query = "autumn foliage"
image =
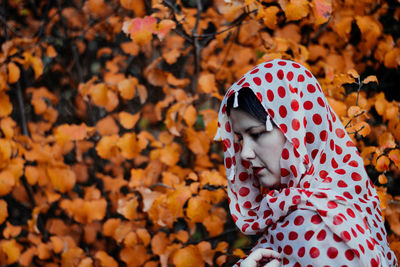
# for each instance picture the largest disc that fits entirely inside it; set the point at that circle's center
(108, 110)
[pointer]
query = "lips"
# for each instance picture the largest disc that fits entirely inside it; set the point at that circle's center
(256, 170)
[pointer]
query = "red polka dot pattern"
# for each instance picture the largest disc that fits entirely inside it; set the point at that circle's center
(326, 203)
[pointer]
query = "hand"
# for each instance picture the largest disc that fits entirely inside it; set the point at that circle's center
(262, 257)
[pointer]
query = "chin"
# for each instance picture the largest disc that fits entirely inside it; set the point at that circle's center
(270, 184)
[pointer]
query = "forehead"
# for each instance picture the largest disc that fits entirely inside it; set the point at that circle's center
(241, 121)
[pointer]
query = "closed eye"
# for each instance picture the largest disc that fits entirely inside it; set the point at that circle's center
(255, 136)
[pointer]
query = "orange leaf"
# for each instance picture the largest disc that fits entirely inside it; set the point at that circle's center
(338, 106)
(207, 83)
(382, 164)
(72, 132)
(10, 231)
(188, 256)
(128, 120)
(7, 182)
(43, 251)
(382, 179)
(127, 88)
(130, 48)
(371, 78)
(198, 142)
(137, 6)
(5, 105)
(3, 211)
(269, 16)
(98, 93)
(322, 10)
(197, 209)
(128, 146)
(107, 126)
(106, 147)
(63, 179)
(12, 249)
(394, 156)
(140, 30)
(51, 52)
(170, 154)
(7, 125)
(144, 235)
(392, 58)
(142, 91)
(296, 9)
(164, 27)
(128, 208)
(386, 140)
(57, 244)
(353, 73)
(13, 72)
(159, 243)
(134, 256)
(190, 115)
(105, 259)
(31, 174)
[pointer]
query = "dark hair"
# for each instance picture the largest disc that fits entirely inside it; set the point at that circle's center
(248, 102)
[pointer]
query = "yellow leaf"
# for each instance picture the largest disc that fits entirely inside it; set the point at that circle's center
(128, 120)
(13, 72)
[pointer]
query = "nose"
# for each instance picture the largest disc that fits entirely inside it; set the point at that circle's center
(247, 152)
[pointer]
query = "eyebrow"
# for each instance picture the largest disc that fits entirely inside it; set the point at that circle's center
(250, 128)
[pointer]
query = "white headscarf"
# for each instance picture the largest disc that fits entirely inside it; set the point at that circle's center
(327, 210)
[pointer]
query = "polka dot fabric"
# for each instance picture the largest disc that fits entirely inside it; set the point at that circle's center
(326, 212)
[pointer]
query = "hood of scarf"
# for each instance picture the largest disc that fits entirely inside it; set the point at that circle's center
(321, 169)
